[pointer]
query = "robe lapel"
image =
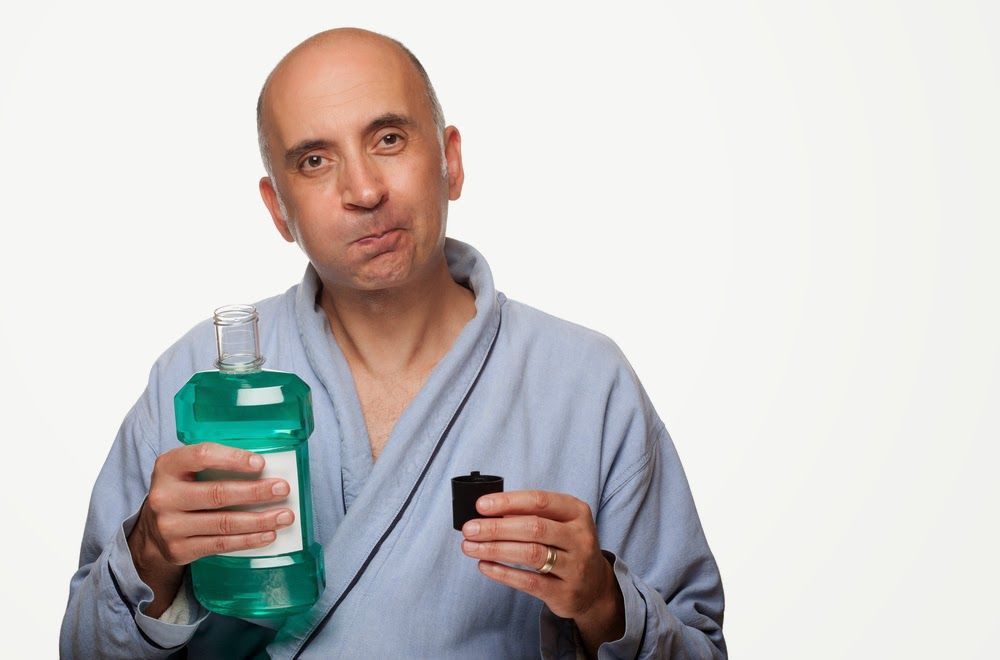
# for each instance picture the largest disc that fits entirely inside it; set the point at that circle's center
(376, 496)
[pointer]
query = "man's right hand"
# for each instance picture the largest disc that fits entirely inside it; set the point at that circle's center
(183, 519)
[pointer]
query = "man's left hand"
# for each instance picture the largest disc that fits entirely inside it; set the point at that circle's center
(581, 585)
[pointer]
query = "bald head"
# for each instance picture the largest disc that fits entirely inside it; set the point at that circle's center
(342, 43)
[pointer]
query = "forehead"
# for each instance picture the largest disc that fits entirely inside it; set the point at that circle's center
(332, 92)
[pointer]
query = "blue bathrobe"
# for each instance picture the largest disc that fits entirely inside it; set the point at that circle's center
(544, 403)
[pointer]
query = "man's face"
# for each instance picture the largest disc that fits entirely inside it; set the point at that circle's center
(357, 165)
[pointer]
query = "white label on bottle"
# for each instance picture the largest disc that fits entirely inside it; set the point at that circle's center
(279, 465)
(259, 396)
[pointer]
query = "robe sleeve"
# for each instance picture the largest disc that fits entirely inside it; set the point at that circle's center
(649, 530)
(105, 616)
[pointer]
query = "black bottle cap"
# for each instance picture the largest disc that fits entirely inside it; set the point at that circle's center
(465, 490)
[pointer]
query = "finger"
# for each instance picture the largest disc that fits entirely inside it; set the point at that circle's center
(224, 522)
(530, 529)
(196, 547)
(200, 495)
(532, 555)
(555, 506)
(210, 456)
(532, 583)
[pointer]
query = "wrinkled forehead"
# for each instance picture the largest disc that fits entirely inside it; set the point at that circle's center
(332, 93)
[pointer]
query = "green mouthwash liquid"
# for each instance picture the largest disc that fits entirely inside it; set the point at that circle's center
(268, 412)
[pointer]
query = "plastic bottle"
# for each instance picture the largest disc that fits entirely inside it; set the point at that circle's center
(268, 412)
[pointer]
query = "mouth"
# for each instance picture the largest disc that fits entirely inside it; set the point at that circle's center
(380, 240)
(375, 236)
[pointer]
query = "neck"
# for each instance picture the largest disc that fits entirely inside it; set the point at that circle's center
(397, 331)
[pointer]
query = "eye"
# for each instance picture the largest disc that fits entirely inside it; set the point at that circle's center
(312, 162)
(391, 139)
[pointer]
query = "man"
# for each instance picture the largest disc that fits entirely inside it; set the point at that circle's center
(420, 371)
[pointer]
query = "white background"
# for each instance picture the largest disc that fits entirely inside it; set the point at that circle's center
(784, 212)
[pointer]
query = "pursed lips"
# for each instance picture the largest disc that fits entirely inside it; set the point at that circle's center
(377, 237)
(379, 234)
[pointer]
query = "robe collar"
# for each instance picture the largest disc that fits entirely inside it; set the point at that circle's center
(377, 495)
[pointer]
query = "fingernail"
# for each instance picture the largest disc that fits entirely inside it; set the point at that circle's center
(267, 537)
(471, 528)
(485, 503)
(470, 546)
(284, 518)
(256, 462)
(280, 488)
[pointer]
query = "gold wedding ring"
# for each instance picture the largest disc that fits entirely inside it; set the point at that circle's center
(550, 561)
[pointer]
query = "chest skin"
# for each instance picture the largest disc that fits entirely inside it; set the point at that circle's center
(383, 400)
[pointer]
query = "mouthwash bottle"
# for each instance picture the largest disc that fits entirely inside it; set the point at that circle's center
(268, 412)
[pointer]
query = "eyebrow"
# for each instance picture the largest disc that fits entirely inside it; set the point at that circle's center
(383, 120)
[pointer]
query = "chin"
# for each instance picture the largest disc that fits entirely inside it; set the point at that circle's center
(378, 276)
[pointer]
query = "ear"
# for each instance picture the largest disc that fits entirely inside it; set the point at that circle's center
(270, 197)
(453, 155)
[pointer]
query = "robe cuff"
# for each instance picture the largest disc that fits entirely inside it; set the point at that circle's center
(560, 639)
(628, 645)
(137, 596)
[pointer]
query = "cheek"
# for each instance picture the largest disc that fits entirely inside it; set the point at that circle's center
(314, 196)
(421, 173)
(424, 188)
(310, 207)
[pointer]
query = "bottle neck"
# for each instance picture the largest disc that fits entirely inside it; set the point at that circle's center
(237, 339)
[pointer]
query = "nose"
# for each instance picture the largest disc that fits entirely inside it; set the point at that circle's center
(361, 183)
